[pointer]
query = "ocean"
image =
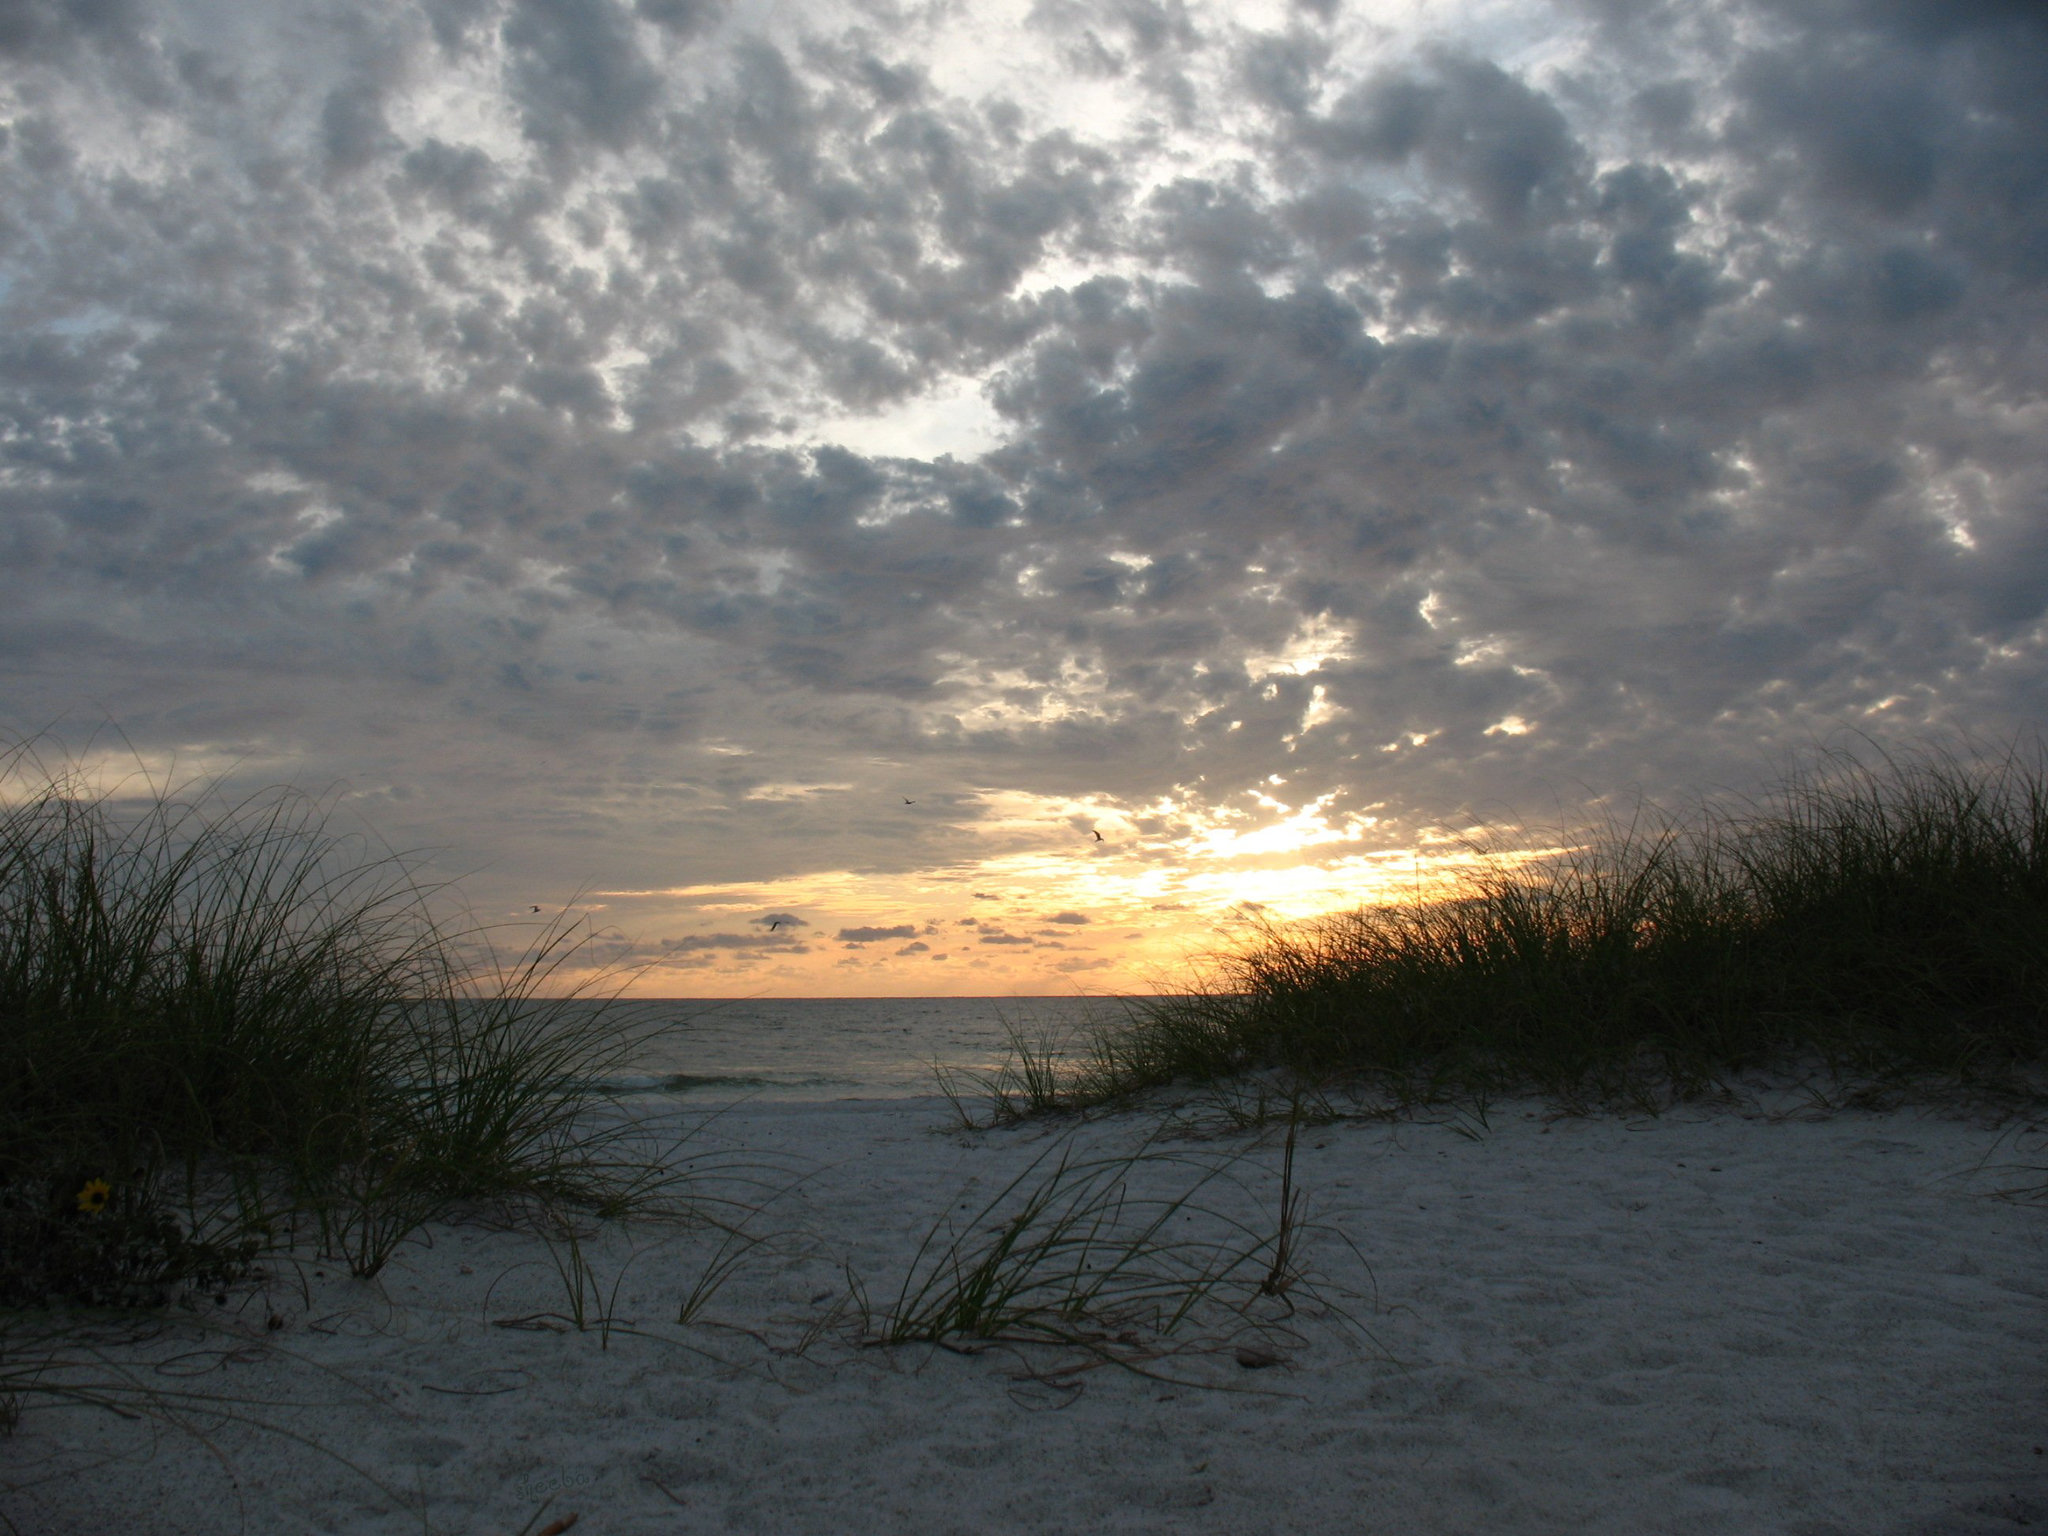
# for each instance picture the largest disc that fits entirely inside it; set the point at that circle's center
(812, 1049)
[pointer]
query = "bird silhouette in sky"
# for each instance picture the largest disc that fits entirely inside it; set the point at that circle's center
(775, 925)
(536, 909)
(1098, 835)
(910, 802)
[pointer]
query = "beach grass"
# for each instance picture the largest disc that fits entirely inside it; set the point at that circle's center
(1880, 919)
(230, 1029)
(1123, 1258)
(1061, 1254)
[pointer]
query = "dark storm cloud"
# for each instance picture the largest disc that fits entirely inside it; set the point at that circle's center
(353, 131)
(1471, 124)
(578, 72)
(49, 29)
(1612, 421)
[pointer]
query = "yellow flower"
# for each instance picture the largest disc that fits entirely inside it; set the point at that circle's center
(93, 1198)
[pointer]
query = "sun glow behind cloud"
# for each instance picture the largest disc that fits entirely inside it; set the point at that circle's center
(1054, 910)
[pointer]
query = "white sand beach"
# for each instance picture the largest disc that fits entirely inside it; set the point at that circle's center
(1711, 1321)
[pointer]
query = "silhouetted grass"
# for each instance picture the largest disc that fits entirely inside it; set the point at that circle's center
(1884, 917)
(221, 1025)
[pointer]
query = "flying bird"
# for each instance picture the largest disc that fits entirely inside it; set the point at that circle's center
(775, 925)
(1098, 835)
(910, 802)
(536, 909)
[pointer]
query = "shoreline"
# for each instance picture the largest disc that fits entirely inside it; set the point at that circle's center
(1705, 1321)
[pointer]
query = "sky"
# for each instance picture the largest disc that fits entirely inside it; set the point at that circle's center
(977, 497)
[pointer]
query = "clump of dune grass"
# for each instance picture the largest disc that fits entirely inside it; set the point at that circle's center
(1886, 918)
(1126, 1258)
(1039, 1076)
(225, 1028)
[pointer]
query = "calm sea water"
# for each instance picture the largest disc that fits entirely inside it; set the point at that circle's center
(835, 1048)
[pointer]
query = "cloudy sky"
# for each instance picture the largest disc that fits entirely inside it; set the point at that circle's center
(780, 477)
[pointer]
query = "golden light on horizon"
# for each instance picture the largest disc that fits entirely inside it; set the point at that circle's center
(1065, 912)
(1028, 894)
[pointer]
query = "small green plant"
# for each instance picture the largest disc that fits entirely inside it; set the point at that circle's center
(1284, 1270)
(96, 1244)
(735, 1246)
(1067, 1254)
(1036, 1078)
